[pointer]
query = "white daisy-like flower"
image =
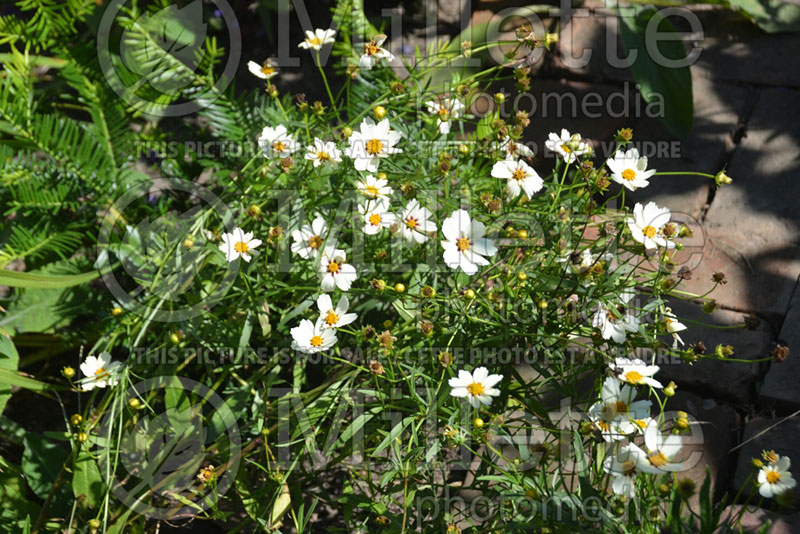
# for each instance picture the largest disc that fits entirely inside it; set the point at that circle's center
(673, 326)
(617, 411)
(464, 244)
(568, 146)
(374, 188)
(660, 453)
(311, 337)
(446, 110)
(238, 244)
(636, 372)
(477, 386)
(323, 153)
(416, 221)
(774, 478)
(630, 169)
(265, 71)
(376, 216)
(521, 177)
(612, 323)
(371, 143)
(308, 240)
(373, 53)
(334, 271)
(647, 225)
(513, 149)
(623, 468)
(99, 372)
(334, 317)
(317, 39)
(277, 141)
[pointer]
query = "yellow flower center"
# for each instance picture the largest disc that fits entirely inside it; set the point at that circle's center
(315, 242)
(370, 49)
(604, 425)
(375, 219)
(621, 407)
(773, 477)
(519, 175)
(463, 244)
(315, 41)
(279, 146)
(475, 389)
(628, 468)
(649, 231)
(657, 459)
(241, 247)
(411, 222)
(566, 148)
(444, 114)
(323, 156)
(316, 341)
(100, 371)
(267, 70)
(333, 267)
(634, 377)
(331, 318)
(629, 174)
(374, 147)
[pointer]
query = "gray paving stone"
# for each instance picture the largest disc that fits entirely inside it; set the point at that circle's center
(758, 436)
(717, 424)
(758, 282)
(780, 387)
(753, 520)
(724, 380)
(719, 108)
(757, 215)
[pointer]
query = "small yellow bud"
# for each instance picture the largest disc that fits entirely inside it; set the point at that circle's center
(550, 39)
(522, 234)
(175, 338)
(400, 288)
(463, 149)
(379, 112)
(387, 323)
(68, 372)
(722, 179)
(522, 276)
(682, 423)
(116, 311)
(478, 422)
(382, 176)
(76, 419)
(94, 524)
(499, 97)
(758, 464)
(254, 211)
(470, 294)
(347, 132)
(664, 490)
(669, 391)
(134, 403)
(82, 437)
(543, 304)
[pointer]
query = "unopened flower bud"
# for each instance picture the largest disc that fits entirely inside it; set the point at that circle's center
(722, 179)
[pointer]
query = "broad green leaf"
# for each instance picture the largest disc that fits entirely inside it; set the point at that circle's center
(772, 16)
(659, 83)
(86, 479)
(42, 462)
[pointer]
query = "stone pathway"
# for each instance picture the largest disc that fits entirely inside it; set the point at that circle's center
(747, 104)
(746, 87)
